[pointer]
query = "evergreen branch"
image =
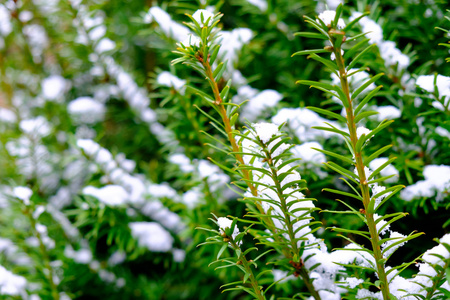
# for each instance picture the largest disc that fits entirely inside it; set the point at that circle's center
(364, 187)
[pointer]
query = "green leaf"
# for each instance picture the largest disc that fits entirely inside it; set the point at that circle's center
(306, 52)
(367, 99)
(311, 35)
(216, 148)
(218, 74)
(363, 115)
(178, 60)
(396, 216)
(355, 37)
(380, 168)
(401, 268)
(327, 91)
(246, 276)
(343, 212)
(248, 153)
(321, 23)
(214, 54)
(196, 67)
(358, 57)
(351, 186)
(207, 229)
(442, 29)
(342, 171)
(376, 154)
(204, 37)
(353, 266)
(380, 127)
(218, 69)
(364, 234)
(381, 179)
(338, 14)
(340, 132)
(361, 142)
(209, 243)
(427, 113)
(349, 53)
(327, 113)
(216, 140)
(195, 26)
(445, 45)
(342, 96)
(362, 69)
(316, 84)
(338, 156)
(403, 240)
(394, 190)
(289, 161)
(360, 215)
(249, 249)
(261, 255)
(317, 26)
(358, 248)
(224, 93)
(343, 193)
(353, 22)
(365, 85)
(222, 166)
(327, 63)
(233, 119)
(222, 250)
(251, 168)
(231, 283)
(231, 104)
(219, 128)
(193, 90)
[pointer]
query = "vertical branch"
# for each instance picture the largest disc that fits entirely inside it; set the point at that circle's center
(229, 130)
(287, 219)
(197, 55)
(364, 186)
(246, 264)
(226, 122)
(233, 142)
(46, 258)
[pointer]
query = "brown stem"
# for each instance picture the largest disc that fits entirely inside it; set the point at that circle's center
(226, 122)
(235, 147)
(364, 187)
(228, 129)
